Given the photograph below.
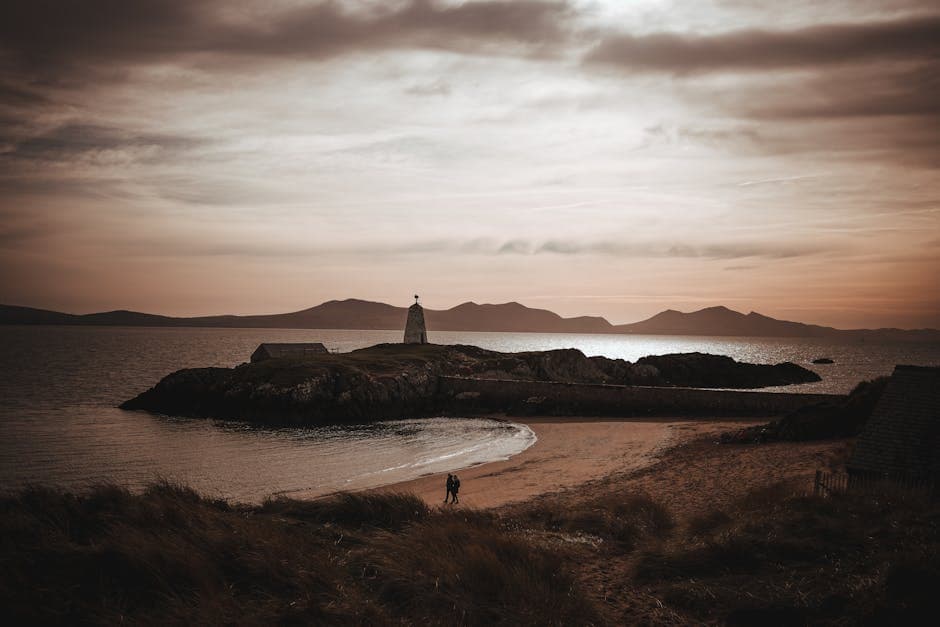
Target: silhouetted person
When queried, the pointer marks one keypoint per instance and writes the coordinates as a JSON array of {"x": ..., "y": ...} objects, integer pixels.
[
  {"x": 455, "y": 488},
  {"x": 450, "y": 488}
]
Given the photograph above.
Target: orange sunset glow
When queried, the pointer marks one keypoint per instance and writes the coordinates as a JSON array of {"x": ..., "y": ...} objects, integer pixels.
[{"x": 588, "y": 157}]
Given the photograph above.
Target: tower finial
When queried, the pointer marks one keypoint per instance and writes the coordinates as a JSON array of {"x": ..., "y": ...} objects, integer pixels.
[{"x": 416, "y": 299}]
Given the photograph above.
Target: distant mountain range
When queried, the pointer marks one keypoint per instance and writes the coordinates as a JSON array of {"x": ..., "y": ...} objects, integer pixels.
[{"x": 506, "y": 317}]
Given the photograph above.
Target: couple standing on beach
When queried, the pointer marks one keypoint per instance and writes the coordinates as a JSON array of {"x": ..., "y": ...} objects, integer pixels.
[{"x": 453, "y": 485}]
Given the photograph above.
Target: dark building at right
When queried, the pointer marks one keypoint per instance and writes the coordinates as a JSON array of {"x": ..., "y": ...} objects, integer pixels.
[{"x": 901, "y": 440}]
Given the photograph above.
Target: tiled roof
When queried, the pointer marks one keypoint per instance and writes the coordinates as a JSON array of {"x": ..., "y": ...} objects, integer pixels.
[{"x": 902, "y": 437}]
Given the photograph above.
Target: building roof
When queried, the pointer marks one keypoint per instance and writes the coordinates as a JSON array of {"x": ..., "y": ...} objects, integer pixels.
[
  {"x": 902, "y": 437},
  {"x": 276, "y": 350}
]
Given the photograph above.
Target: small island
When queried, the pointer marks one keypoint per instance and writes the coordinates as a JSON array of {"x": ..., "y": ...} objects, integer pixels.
[{"x": 408, "y": 380}]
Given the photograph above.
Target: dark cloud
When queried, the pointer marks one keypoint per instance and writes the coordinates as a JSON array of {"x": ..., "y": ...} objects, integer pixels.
[
  {"x": 771, "y": 8},
  {"x": 909, "y": 38},
  {"x": 881, "y": 112},
  {"x": 47, "y": 38},
  {"x": 27, "y": 182},
  {"x": 71, "y": 140},
  {"x": 16, "y": 235},
  {"x": 864, "y": 92},
  {"x": 20, "y": 96},
  {"x": 906, "y": 142},
  {"x": 31, "y": 164}
]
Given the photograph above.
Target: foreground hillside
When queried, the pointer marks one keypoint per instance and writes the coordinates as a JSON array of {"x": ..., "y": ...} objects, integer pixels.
[
  {"x": 727, "y": 537},
  {"x": 395, "y": 380}
]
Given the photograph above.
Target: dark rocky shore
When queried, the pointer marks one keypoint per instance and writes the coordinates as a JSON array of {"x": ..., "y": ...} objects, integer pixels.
[{"x": 395, "y": 380}]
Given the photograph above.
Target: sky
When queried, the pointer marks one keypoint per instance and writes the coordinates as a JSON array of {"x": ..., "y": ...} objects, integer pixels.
[{"x": 593, "y": 158}]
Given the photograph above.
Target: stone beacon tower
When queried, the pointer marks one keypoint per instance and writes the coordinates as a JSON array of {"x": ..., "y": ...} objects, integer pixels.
[{"x": 415, "y": 331}]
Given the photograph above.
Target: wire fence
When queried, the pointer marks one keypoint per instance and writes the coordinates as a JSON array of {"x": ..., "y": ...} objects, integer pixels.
[{"x": 831, "y": 483}]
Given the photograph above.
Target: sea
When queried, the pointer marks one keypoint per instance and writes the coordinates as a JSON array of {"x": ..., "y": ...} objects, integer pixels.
[{"x": 60, "y": 387}]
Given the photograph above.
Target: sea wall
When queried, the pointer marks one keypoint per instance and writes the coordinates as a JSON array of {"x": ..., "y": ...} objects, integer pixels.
[{"x": 469, "y": 395}]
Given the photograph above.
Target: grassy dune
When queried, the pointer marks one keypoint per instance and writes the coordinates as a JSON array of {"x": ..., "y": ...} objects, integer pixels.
[{"x": 171, "y": 555}]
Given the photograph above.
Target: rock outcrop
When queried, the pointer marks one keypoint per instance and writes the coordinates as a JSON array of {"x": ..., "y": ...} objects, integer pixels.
[
  {"x": 401, "y": 380},
  {"x": 701, "y": 370},
  {"x": 821, "y": 421}
]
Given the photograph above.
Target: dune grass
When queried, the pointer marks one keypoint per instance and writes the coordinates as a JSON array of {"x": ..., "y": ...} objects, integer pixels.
[
  {"x": 349, "y": 509},
  {"x": 460, "y": 568},
  {"x": 621, "y": 519},
  {"x": 169, "y": 555},
  {"x": 166, "y": 555},
  {"x": 779, "y": 557}
]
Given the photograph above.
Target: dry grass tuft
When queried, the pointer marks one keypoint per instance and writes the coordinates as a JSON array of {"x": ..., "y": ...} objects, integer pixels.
[
  {"x": 465, "y": 568},
  {"x": 169, "y": 555},
  {"x": 781, "y": 558},
  {"x": 623, "y": 519},
  {"x": 355, "y": 510}
]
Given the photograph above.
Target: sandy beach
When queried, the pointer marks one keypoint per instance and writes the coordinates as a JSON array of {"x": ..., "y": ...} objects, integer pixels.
[
  {"x": 569, "y": 452},
  {"x": 671, "y": 456}
]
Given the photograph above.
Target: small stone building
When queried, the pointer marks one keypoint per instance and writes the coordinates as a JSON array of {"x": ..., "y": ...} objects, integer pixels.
[
  {"x": 415, "y": 330},
  {"x": 902, "y": 438},
  {"x": 275, "y": 351}
]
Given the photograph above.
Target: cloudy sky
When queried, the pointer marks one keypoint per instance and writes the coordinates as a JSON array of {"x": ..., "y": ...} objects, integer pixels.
[{"x": 612, "y": 158}]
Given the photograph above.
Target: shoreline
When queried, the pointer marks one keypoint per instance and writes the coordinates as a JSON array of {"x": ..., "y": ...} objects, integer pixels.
[
  {"x": 569, "y": 452},
  {"x": 632, "y": 521}
]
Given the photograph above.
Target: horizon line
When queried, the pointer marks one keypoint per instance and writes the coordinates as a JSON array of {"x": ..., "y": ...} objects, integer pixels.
[{"x": 469, "y": 302}]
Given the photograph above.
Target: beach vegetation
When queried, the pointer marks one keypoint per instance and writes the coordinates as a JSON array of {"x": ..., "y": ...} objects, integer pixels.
[
  {"x": 388, "y": 510},
  {"x": 170, "y": 555},
  {"x": 622, "y": 519},
  {"x": 797, "y": 559}
]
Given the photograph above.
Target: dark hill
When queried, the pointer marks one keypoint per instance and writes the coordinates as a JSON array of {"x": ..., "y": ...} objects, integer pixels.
[
  {"x": 505, "y": 317},
  {"x": 511, "y": 317},
  {"x": 11, "y": 314},
  {"x": 722, "y": 321}
]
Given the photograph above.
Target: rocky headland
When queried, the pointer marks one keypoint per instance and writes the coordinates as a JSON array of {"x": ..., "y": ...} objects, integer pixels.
[{"x": 397, "y": 380}]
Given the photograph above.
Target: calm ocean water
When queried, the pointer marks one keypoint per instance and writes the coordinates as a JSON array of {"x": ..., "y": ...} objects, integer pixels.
[{"x": 59, "y": 388}]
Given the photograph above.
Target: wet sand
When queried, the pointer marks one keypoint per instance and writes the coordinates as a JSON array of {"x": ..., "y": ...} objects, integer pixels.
[{"x": 569, "y": 452}]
